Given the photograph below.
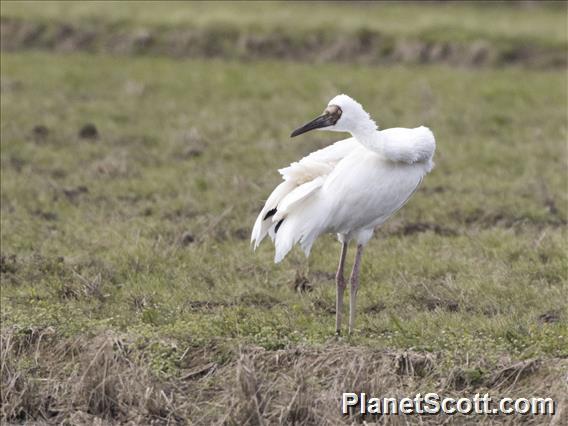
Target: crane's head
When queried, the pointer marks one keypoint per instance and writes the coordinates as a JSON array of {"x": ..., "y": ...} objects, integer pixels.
[{"x": 342, "y": 114}]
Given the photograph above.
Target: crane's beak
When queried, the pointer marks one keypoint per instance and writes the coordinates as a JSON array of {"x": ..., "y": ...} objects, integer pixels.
[{"x": 324, "y": 120}]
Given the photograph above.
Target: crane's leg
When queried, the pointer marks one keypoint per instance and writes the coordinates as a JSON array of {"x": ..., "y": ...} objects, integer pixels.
[
  {"x": 340, "y": 281},
  {"x": 354, "y": 287}
]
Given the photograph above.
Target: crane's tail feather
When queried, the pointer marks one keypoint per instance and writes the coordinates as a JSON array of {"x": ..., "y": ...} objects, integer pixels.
[
  {"x": 286, "y": 217},
  {"x": 265, "y": 219},
  {"x": 293, "y": 230},
  {"x": 296, "y": 196},
  {"x": 303, "y": 223}
]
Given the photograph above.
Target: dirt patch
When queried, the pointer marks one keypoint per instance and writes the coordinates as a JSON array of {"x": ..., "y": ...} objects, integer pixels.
[
  {"x": 434, "y": 303},
  {"x": 251, "y": 299},
  {"x": 324, "y": 306},
  {"x": 73, "y": 194},
  {"x": 434, "y": 190},
  {"x": 363, "y": 46},
  {"x": 486, "y": 219},
  {"x": 419, "y": 227},
  {"x": 434, "y": 297},
  {"x": 241, "y": 234},
  {"x": 186, "y": 239},
  {"x": 40, "y": 133},
  {"x": 17, "y": 163},
  {"x": 112, "y": 167},
  {"x": 375, "y": 308},
  {"x": 8, "y": 85},
  {"x": 8, "y": 264},
  {"x": 259, "y": 300},
  {"x": 89, "y": 131},
  {"x": 204, "y": 305},
  {"x": 58, "y": 174},
  {"x": 550, "y": 317},
  {"x": 301, "y": 283},
  {"x": 45, "y": 215},
  {"x": 319, "y": 275},
  {"x": 189, "y": 153},
  {"x": 431, "y": 302}
]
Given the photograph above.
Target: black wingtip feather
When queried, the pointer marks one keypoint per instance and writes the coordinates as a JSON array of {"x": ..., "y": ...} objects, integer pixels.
[
  {"x": 270, "y": 213},
  {"x": 278, "y": 225}
]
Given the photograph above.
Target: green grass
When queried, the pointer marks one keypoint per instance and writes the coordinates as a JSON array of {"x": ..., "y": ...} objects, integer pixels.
[
  {"x": 500, "y": 165},
  {"x": 131, "y": 251}
]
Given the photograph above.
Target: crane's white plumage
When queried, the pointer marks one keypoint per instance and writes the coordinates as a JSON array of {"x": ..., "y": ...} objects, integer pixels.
[{"x": 348, "y": 188}]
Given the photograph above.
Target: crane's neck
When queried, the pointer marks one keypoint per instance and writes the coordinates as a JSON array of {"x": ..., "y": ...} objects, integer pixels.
[{"x": 367, "y": 135}]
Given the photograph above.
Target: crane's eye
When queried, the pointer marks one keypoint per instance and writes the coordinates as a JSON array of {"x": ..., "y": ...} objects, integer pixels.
[{"x": 334, "y": 111}]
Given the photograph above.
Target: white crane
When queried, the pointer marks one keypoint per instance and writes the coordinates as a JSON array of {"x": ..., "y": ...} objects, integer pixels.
[{"x": 348, "y": 188}]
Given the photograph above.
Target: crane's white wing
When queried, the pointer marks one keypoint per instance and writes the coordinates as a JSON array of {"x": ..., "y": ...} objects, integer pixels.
[
  {"x": 301, "y": 179},
  {"x": 318, "y": 163}
]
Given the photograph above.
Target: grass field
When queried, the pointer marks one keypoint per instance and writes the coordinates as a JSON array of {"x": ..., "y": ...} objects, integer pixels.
[
  {"x": 389, "y": 17},
  {"x": 129, "y": 290}
]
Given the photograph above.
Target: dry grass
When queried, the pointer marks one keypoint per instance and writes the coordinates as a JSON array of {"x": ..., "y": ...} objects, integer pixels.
[
  {"x": 79, "y": 380},
  {"x": 364, "y": 46},
  {"x": 106, "y": 379}
]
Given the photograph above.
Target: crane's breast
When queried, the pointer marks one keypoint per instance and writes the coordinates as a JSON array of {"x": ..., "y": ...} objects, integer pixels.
[{"x": 364, "y": 190}]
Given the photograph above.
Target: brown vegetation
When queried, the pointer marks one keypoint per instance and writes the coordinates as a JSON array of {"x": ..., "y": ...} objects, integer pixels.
[
  {"x": 106, "y": 379},
  {"x": 363, "y": 46}
]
